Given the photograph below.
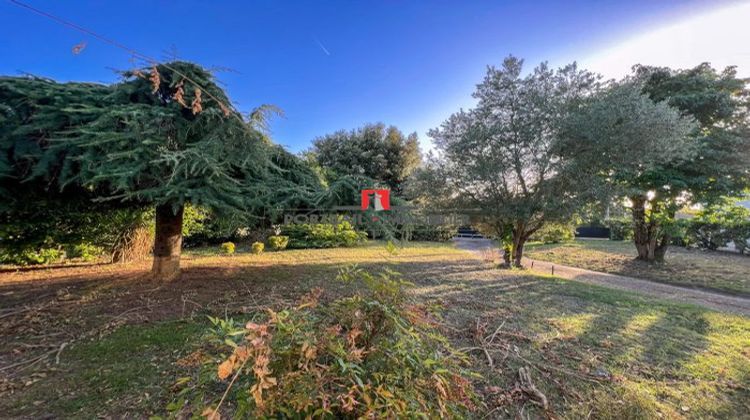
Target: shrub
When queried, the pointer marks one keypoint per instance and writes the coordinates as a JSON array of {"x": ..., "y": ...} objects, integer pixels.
[
  {"x": 323, "y": 235},
  {"x": 433, "y": 233},
  {"x": 739, "y": 235},
  {"x": 679, "y": 230},
  {"x": 706, "y": 235},
  {"x": 257, "y": 247},
  {"x": 372, "y": 355},
  {"x": 717, "y": 226},
  {"x": 228, "y": 248},
  {"x": 278, "y": 242},
  {"x": 85, "y": 251},
  {"x": 554, "y": 233},
  {"x": 27, "y": 256},
  {"x": 620, "y": 229}
]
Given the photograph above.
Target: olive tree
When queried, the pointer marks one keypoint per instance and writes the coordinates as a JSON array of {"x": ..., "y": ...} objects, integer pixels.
[
  {"x": 624, "y": 145},
  {"x": 501, "y": 156}
]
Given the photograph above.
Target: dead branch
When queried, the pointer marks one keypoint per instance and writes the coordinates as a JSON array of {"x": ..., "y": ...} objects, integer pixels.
[
  {"x": 530, "y": 389},
  {"x": 57, "y": 356}
]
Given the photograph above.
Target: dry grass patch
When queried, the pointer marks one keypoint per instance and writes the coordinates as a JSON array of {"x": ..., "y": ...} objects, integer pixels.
[{"x": 713, "y": 270}]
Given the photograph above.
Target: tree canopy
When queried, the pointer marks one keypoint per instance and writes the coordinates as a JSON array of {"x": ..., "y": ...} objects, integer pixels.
[
  {"x": 719, "y": 102},
  {"x": 501, "y": 155},
  {"x": 645, "y": 154},
  {"x": 623, "y": 145},
  {"x": 163, "y": 137},
  {"x": 383, "y": 154}
]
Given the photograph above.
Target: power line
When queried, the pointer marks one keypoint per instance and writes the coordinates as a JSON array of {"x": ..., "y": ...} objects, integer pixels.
[{"x": 133, "y": 52}]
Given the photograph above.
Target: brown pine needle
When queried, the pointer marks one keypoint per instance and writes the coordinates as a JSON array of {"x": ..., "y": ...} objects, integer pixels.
[
  {"x": 155, "y": 79},
  {"x": 78, "y": 48},
  {"x": 179, "y": 94},
  {"x": 197, "y": 108}
]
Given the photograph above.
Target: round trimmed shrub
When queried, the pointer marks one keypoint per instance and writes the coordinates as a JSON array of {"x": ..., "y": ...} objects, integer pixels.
[
  {"x": 228, "y": 248},
  {"x": 278, "y": 242},
  {"x": 257, "y": 248}
]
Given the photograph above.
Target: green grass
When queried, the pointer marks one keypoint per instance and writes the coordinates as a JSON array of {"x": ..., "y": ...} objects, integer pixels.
[
  {"x": 609, "y": 354},
  {"x": 594, "y": 352},
  {"x": 713, "y": 270},
  {"x": 126, "y": 373}
]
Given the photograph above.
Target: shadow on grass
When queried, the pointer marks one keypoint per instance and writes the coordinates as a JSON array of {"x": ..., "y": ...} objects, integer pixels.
[
  {"x": 646, "y": 357},
  {"x": 595, "y": 352}
]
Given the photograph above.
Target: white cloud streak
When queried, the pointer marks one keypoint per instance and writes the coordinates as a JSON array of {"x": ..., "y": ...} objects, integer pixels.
[{"x": 325, "y": 50}]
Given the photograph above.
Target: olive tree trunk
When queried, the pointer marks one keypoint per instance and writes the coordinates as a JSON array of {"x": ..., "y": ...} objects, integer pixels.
[
  {"x": 649, "y": 237},
  {"x": 522, "y": 231},
  {"x": 507, "y": 251},
  {"x": 167, "y": 243}
]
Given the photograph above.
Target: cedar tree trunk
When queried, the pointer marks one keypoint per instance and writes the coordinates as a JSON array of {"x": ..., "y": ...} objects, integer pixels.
[{"x": 167, "y": 243}]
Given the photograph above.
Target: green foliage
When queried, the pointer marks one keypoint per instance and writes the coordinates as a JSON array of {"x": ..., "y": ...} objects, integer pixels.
[
  {"x": 434, "y": 233},
  {"x": 32, "y": 111},
  {"x": 600, "y": 139},
  {"x": 679, "y": 230},
  {"x": 194, "y": 220},
  {"x": 49, "y": 222},
  {"x": 718, "y": 100},
  {"x": 28, "y": 256},
  {"x": 85, "y": 251},
  {"x": 306, "y": 235},
  {"x": 718, "y": 225},
  {"x": 153, "y": 139},
  {"x": 373, "y": 355},
  {"x": 502, "y": 155},
  {"x": 706, "y": 235},
  {"x": 228, "y": 248},
  {"x": 620, "y": 229},
  {"x": 374, "y": 151},
  {"x": 257, "y": 248},
  {"x": 145, "y": 146},
  {"x": 554, "y": 233},
  {"x": 618, "y": 143},
  {"x": 278, "y": 242}
]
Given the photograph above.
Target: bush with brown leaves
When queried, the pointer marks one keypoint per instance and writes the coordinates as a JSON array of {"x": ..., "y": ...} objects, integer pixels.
[{"x": 374, "y": 355}]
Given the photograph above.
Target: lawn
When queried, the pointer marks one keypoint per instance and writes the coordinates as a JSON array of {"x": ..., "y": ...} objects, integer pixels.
[
  {"x": 714, "y": 270},
  {"x": 591, "y": 351}
]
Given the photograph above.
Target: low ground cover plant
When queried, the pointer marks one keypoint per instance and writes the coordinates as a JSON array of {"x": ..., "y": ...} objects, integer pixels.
[{"x": 85, "y": 252}]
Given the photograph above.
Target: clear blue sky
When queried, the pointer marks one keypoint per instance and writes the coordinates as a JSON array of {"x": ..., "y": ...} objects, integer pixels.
[{"x": 328, "y": 64}]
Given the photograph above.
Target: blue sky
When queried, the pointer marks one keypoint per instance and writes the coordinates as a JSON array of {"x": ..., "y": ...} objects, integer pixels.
[{"x": 337, "y": 64}]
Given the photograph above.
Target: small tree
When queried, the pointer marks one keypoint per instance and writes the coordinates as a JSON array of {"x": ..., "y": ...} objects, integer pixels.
[
  {"x": 621, "y": 143},
  {"x": 501, "y": 157},
  {"x": 383, "y": 154}
]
